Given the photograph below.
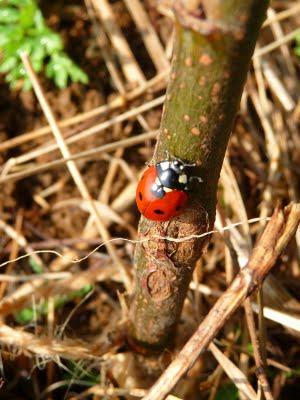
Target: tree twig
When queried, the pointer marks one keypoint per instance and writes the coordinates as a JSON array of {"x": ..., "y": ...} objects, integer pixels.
[
  {"x": 274, "y": 239},
  {"x": 213, "y": 48}
]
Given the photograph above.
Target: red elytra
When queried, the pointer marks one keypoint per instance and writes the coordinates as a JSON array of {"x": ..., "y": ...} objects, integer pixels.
[{"x": 154, "y": 208}]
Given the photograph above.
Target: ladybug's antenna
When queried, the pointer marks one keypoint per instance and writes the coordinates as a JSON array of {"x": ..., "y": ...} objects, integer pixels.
[
  {"x": 167, "y": 155},
  {"x": 184, "y": 163}
]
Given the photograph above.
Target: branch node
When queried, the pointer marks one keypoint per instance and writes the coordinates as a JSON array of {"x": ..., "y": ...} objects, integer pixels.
[{"x": 197, "y": 21}]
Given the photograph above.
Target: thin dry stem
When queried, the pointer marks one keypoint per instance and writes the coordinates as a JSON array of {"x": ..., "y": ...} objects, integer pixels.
[
  {"x": 105, "y": 49},
  {"x": 48, "y": 348},
  {"x": 20, "y": 240},
  {"x": 74, "y": 171},
  {"x": 277, "y": 87},
  {"x": 15, "y": 245},
  {"x": 233, "y": 372},
  {"x": 45, "y": 149},
  {"x": 130, "y": 67},
  {"x": 277, "y": 43},
  {"x": 158, "y": 82},
  {"x": 279, "y": 36},
  {"x": 87, "y": 154},
  {"x": 260, "y": 365},
  {"x": 148, "y": 34},
  {"x": 289, "y": 12},
  {"x": 276, "y": 236}
]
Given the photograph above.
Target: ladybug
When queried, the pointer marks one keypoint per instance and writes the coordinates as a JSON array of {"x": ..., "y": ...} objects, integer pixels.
[{"x": 162, "y": 192}]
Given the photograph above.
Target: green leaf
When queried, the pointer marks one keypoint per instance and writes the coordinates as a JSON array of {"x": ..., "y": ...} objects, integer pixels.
[
  {"x": 17, "y": 3},
  {"x": 16, "y": 74},
  {"x": 295, "y": 372},
  {"x": 38, "y": 52},
  {"x": 7, "y": 64},
  {"x": 77, "y": 371},
  {"x": 23, "y": 29},
  {"x": 61, "y": 76},
  {"x": 36, "y": 267},
  {"x": 250, "y": 348},
  {"x": 10, "y": 34},
  {"x": 297, "y": 47},
  {"x": 26, "y": 85},
  {"x": 28, "y": 46},
  {"x": 4, "y": 36},
  {"x": 27, "y": 15},
  {"x": 77, "y": 75},
  {"x": 37, "y": 65},
  {"x": 11, "y": 48},
  {"x": 51, "y": 41},
  {"x": 27, "y": 314},
  {"x": 50, "y": 69},
  {"x": 24, "y": 316},
  {"x": 9, "y": 15},
  {"x": 228, "y": 392},
  {"x": 82, "y": 292},
  {"x": 39, "y": 21}
]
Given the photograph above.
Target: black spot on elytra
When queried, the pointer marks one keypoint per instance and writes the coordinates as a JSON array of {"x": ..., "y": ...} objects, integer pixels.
[
  {"x": 160, "y": 212},
  {"x": 178, "y": 208},
  {"x": 140, "y": 196}
]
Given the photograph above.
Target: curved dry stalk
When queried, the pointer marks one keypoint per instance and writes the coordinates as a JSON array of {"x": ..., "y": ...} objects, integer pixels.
[
  {"x": 86, "y": 154},
  {"x": 273, "y": 241},
  {"x": 74, "y": 171},
  {"x": 49, "y": 348}
]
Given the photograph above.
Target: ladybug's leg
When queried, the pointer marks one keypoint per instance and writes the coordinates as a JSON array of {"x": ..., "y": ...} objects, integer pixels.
[
  {"x": 195, "y": 178},
  {"x": 190, "y": 165},
  {"x": 191, "y": 180}
]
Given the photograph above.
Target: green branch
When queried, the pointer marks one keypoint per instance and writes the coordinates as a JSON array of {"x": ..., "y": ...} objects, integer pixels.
[{"x": 213, "y": 49}]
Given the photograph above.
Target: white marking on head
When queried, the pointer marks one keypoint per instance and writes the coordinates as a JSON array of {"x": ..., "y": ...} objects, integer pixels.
[
  {"x": 182, "y": 178},
  {"x": 165, "y": 165},
  {"x": 166, "y": 189}
]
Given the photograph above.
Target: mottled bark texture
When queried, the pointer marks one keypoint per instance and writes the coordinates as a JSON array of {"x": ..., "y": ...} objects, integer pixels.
[{"x": 214, "y": 44}]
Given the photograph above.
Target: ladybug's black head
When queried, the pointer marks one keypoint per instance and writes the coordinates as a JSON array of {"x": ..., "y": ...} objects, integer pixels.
[
  {"x": 178, "y": 166},
  {"x": 172, "y": 175}
]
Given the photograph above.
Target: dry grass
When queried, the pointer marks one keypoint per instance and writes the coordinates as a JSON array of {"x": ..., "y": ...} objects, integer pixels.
[{"x": 78, "y": 311}]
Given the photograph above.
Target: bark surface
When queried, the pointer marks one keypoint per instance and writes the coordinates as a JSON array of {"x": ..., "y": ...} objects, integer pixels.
[{"x": 214, "y": 44}]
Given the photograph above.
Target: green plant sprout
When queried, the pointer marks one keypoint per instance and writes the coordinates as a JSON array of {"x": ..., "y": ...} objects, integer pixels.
[
  {"x": 228, "y": 392},
  {"x": 28, "y": 314},
  {"x": 23, "y": 29},
  {"x": 297, "y": 47}
]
